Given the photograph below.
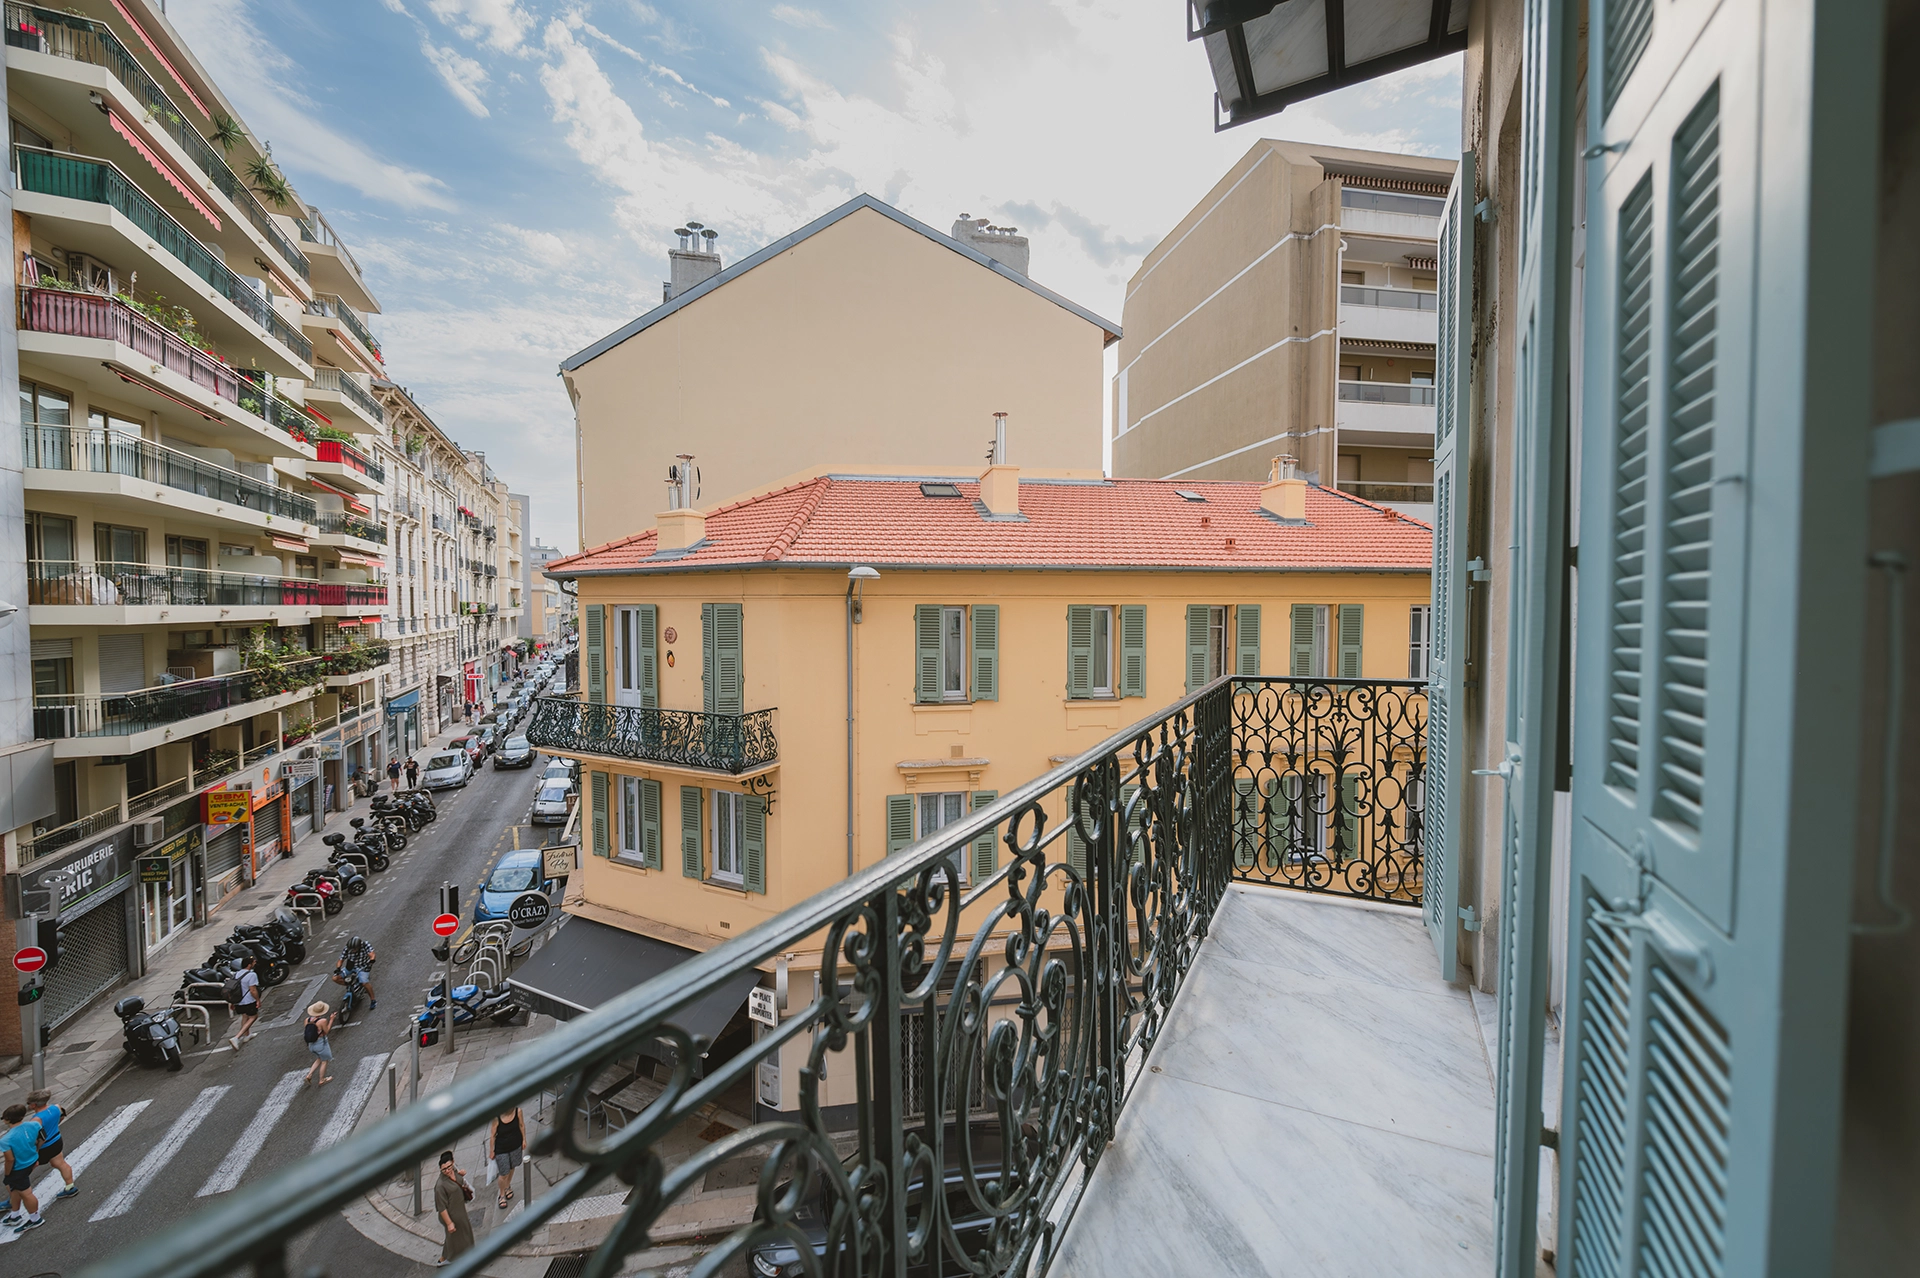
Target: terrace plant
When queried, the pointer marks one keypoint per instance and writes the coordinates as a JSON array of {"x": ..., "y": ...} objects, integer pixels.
[
  {"x": 269, "y": 181},
  {"x": 227, "y": 132}
]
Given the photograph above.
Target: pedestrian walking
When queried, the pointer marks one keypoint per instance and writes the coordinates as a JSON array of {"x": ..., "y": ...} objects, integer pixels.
[
  {"x": 393, "y": 774},
  {"x": 509, "y": 1143},
  {"x": 413, "y": 774},
  {"x": 450, "y": 1195},
  {"x": 318, "y": 1028},
  {"x": 19, "y": 1152},
  {"x": 245, "y": 1001},
  {"x": 53, "y": 1146}
]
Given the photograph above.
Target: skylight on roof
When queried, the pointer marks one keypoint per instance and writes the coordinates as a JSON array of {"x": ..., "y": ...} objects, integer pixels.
[
  {"x": 939, "y": 490},
  {"x": 1189, "y": 494}
]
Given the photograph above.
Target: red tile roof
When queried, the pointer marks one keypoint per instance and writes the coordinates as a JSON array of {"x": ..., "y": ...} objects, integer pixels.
[{"x": 836, "y": 521}]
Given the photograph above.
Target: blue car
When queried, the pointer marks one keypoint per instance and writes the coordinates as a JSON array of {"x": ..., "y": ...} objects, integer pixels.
[{"x": 517, "y": 873}]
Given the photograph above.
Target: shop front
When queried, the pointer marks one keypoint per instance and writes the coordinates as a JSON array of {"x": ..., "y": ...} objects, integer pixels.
[
  {"x": 92, "y": 889},
  {"x": 272, "y": 819},
  {"x": 302, "y": 778},
  {"x": 229, "y": 866},
  {"x": 403, "y": 724},
  {"x": 165, "y": 875}
]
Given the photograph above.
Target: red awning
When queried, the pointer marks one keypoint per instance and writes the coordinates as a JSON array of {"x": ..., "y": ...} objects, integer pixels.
[
  {"x": 162, "y": 58},
  {"x": 360, "y": 560},
  {"x": 160, "y": 166},
  {"x": 288, "y": 543},
  {"x": 343, "y": 494}
]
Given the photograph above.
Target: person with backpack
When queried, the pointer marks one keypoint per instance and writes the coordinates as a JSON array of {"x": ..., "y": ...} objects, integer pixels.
[
  {"x": 53, "y": 1146},
  {"x": 318, "y": 1029},
  {"x": 243, "y": 997}
]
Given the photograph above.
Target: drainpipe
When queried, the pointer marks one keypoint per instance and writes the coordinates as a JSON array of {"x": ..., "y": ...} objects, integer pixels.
[{"x": 855, "y": 577}]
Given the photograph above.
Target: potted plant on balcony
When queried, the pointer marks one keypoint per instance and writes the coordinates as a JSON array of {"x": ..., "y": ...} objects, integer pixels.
[
  {"x": 269, "y": 181},
  {"x": 227, "y": 132}
]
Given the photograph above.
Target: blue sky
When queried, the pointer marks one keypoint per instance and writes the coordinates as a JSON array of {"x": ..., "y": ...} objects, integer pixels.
[{"x": 509, "y": 172}]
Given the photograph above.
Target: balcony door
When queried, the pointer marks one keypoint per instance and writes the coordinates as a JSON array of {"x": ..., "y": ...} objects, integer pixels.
[{"x": 636, "y": 657}]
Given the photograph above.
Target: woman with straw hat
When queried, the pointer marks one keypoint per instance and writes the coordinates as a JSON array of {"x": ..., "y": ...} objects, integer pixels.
[{"x": 319, "y": 1025}]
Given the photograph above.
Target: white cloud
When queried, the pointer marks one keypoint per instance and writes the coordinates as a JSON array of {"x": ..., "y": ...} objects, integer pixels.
[
  {"x": 463, "y": 76},
  {"x": 797, "y": 17},
  {"x": 664, "y": 72},
  {"x": 501, "y": 24}
]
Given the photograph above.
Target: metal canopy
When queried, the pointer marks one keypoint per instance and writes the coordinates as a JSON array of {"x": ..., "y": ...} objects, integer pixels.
[{"x": 1267, "y": 56}]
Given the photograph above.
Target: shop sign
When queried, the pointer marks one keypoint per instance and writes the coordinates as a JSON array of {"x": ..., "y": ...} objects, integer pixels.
[
  {"x": 183, "y": 844},
  {"x": 154, "y": 869},
  {"x": 300, "y": 771},
  {"x": 329, "y": 750},
  {"x": 86, "y": 873},
  {"x": 224, "y": 807},
  {"x": 557, "y": 861},
  {"x": 267, "y": 794}
]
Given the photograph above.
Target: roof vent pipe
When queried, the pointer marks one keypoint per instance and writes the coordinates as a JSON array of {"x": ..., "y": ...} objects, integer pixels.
[
  {"x": 999, "y": 439},
  {"x": 1000, "y": 485}
]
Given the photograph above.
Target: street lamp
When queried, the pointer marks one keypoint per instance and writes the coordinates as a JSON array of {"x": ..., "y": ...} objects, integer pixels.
[{"x": 857, "y": 577}]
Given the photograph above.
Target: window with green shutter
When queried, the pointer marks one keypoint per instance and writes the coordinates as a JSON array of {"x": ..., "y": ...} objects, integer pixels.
[
  {"x": 1246, "y": 640},
  {"x": 595, "y": 627},
  {"x": 1307, "y": 641},
  {"x": 692, "y": 862},
  {"x": 1352, "y": 629},
  {"x": 721, "y": 676},
  {"x": 899, "y": 822},
  {"x": 602, "y": 844},
  {"x": 986, "y": 848},
  {"x": 1079, "y": 651},
  {"x": 1133, "y": 650},
  {"x": 1198, "y": 675},
  {"x": 650, "y": 822},
  {"x": 753, "y": 842},
  {"x": 986, "y": 652}
]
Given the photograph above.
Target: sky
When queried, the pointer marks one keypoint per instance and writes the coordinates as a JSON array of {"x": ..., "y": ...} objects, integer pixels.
[{"x": 509, "y": 173}]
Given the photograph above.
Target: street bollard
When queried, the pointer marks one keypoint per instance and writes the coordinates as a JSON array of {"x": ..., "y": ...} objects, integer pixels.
[
  {"x": 393, "y": 1087},
  {"x": 526, "y": 1173}
]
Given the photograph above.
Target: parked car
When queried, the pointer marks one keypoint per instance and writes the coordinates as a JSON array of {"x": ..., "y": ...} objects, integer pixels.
[
  {"x": 470, "y": 746},
  {"x": 556, "y": 770},
  {"x": 514, "y": 752},
  {"x": 518, "y": 872},
  {"x": 550, "y": 803},
  {"x": 489, "y": 737},
  {"x": 446, "y": 768}
]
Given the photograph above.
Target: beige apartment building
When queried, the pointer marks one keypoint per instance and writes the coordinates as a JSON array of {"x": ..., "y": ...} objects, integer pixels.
[
  {"x": 864, "y": 334},
  {"x": 1291, "y": 311}
]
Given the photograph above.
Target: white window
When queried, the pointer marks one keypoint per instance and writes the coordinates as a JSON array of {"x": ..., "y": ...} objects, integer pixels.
[
  {"x": 630, "y": 847},
  {"x": 729, "y": 863},
  {"x": 953, "y": 654},
  {"x": 938, "y": 811},
  {"x": 628, "y": 690},
  {"x": 1101, "y": 677},
  {"x": 1419, "y": 639},
  {"x": 1216, "y": 641}
]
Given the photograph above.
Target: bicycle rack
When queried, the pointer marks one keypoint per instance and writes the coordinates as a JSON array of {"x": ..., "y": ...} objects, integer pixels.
[
  {"x": 311, "y": 904},
  {"x": 195, "y": 997},
  {"x": 197, "y": 1017}
]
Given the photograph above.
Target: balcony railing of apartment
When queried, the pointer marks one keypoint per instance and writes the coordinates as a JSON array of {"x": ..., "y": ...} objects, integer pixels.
[
  {"x": 492, "y": 571},
  {"x": 316, "y": 229},
  {"x": 333, "y": 308},
  {"x": 58, "y": 716},
  {"x": 1406, "y": 299},
  {"x": 1386, "y": 393},
  {"x": 74, "y": 314},
  {"x": 274, "y": 408},
  {"x": 1386, "y": 492},
  {"x": 332, "y": 450},
  {"x": 135, "y": 585},
  {"x": 67, "y": 35},
  {"x": 442, "y": 524},
  {"x": 334, "y": 380},
  {"x": 730, "y": 743},
  {"x": 358, "y": 660},
  {"x": 351, "y": 525},
  {"x": 111, "y": 452},
  {"x": 46, "y": 842},
  {"x": 77, "y": 177},
  {"x": 160, "y": 794},
  {"x": 492, "y": 531}
]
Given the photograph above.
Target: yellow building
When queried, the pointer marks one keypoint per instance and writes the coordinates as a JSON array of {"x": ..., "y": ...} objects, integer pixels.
[
  {"x": 868, "y": 334},
  {"x": 949, "y": 636}
]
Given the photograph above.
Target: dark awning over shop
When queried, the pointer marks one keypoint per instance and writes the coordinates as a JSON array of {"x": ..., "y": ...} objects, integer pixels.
[
  {"x": 1267, "y": 56},
  {"x": 404, "y": 702},
  {"x": 587, "y": 964}
]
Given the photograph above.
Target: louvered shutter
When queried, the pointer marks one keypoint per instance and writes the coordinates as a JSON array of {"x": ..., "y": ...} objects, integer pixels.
[
  {"x": 1352, "y": 632},
  {"x": 1443, "y": 773},
  {"x": 123, "y": 662},
  {"x": 1246, "y": 640},
  {"x": 1302, "y": 664},
  {"x": 926, "y": 648},
  {"x": 602, "y": 841},
  {"x": 1079, "y": 651},
  {"x": 1197, "y": 635},
  {"x": 693, "y": 862},
  {"x": 595, "y": 627},
  {"x": 899, "y": 822},
  {"x": 753, "y": 842},
  {"x": 650, "y": 823},
  {"x": 986, "y": 848},
  {"x": 1133, "y": 650},
  {"x": 647, "y": 617},
  {"x": 986, "y": 652},
  {"x": 1346, "y": 818},
  {"x": 723, "y": 676}
]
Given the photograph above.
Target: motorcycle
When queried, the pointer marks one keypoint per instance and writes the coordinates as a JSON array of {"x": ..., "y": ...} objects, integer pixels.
[
  {"x": 283, "y": 928},
  {"x": 150, "y": 1038},
  {"x": 388, "y": 812},
  {"x": 346, "y": 867},
  {"x": 390, "y": 827},
  {"x": 270, "y": 961},
  {"x": 470, "y": 1003},
  {"x": 374, "y": 844},
  {"x": 333, "y": 893}
]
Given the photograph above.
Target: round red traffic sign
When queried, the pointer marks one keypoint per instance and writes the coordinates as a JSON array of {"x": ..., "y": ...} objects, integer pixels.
[
  {"x": 446, "y": 925},
  {"x": 29, "y": 958}
]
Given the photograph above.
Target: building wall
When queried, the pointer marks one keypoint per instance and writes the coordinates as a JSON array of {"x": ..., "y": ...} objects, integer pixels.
[{"x": 866, "y": 340}]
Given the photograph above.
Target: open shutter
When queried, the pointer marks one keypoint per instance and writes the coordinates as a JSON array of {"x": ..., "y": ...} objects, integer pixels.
[
  {"x": 1079, "y": 651},
  {"x": 926, "y": 647},
  {"x": 650, "y": 823},
  {"x": 1444, "y": 774},
  {"x": 986, "y": 652},
  {"x": 596, "y": 644},
  {"x": 725, "y": 686},
  {"x": 1301, "y": 665},
  {"x": 753, "y": 842},
  {"x": 647, "y": 618},
  {"x": 1133, "y": 650},
  {"x": 1246, "y": 640},
  {"x": 602, "y": 842},
  {"x": 692, "y": 860},
  {"x": 986, "y": 848},
  {"x": 1197, "y": 617},
  {"x": 899, "y": 822},
  {"x": 1352, "y": 632}
]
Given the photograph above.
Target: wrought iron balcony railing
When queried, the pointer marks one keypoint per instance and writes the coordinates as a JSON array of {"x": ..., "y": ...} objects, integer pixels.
[
  {"x": 138, "y": 585},
  {"x": 111, "y": 452},
  {"x": 333, "y": 379},
  {"x": 60, "y": 715},
  {"x": 333, "y": 450},
  {"x": 340, "y": 521},
  {"x": 731, "y": 743}
]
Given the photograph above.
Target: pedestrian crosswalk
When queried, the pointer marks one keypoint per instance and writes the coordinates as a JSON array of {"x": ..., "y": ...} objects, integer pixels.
[{"x": 161, "y": 1153}]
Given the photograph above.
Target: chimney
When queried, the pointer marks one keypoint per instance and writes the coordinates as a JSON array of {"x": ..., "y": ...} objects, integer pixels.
[
  {"x": 1284, "y": 495},
  {"x": 1000, "y": 484},
  {"x": 1001, "y": 243},
  {"x": 681, "y": 525},
  {"x": 694, "y": 262}
]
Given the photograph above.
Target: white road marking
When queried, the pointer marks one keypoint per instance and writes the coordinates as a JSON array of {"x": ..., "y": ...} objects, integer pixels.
[
  {"x": 163, "y": 1152},
  {"x": 90, "y": 1149},
  {"x": 254, "y": 1138},
  {"x": 299, "y": 1007},
  {"x": 352, "y": 1101}
]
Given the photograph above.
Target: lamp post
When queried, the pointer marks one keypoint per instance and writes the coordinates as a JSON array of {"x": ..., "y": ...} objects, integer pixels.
[{"x": 857, "y": 577}]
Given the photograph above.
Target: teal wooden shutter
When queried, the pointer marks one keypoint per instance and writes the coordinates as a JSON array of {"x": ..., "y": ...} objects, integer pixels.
[
  {"x": 1079, "y": 651},
  {"x": 647, "y": 617},
  {"x": 1246, "y": 640},
  {"x": 986, "y": 652},
  {"x": 753, "y": 842},
  {"x": 1076, "y": 850},
  {"x": 1443, "y": 774},
  {"x": 899, "y": 822},
  {"x": 723, "y": 676},
  {"x": 926, "y": 645},
  {"x": 986, "y": 848},
  {"x": 708, "y": 661},
  {"x": 650, "y": 823},
  {"x": 1301, "y": 665},
  {"x": 693, "y": 861},
  {"x": 1133, "y": 650},
  {"x": 1197, "y": 617},
  {"x": 596, "y": 645},
  {"x": 602, "y": 843},
  {"x": 1352, "y": 632}
]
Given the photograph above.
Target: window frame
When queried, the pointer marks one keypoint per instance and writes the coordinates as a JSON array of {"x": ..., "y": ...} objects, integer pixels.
[
  {"x": 963, "y": 658},
  {"x": 1101, "y": 654},
  {"x": 1219, "y": 642},
  {"x": 732, "y": 802},
  {"x": 628, "y": 837},
  {"x": 1419, "y": 640},
  {"x": 960, "y": 857}
]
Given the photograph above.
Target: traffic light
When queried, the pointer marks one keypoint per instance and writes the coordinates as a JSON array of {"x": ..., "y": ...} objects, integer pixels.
[{"x": 47, "y": 937}]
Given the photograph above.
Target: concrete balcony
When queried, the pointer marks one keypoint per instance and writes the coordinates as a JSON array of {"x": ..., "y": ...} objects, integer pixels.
[
  {"x": 345, "y": 466},
  {"x": 1386, "y": 414},
  {"x": 334, "y": 267},
  {"x": 346, "y": 403},
  {"x": 1396, "y": 225},
  {"x": 1388, "y": 315},
  {"x": 66, "y": 593},
  {"x": 341, "y": 336},
  {"x": 351, "y": 532},
  {"x": 88, "y": 725}
]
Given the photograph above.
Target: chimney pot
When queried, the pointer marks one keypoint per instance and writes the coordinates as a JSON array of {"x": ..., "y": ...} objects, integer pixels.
[
  {"x": 1000, "y": 485},
  {"x": 1284, "y": 495}
]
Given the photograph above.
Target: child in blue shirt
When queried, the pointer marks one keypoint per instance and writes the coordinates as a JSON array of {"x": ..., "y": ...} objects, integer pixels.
[
  {"x": 19, "y": 1152},
  {"x": 53, "y": 1145}
]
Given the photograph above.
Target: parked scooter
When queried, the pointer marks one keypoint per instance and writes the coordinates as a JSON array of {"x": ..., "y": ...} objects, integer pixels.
[
  {"x": 151, "y": 1038},
  {"x": 284, "y": 929},
  {"x": 373, "y": 843},
  {"x": 270, "y": 961},
  {"x": 334, "y": 893},
  {"x": 470, "y": 1003},
  {"x": 346, "y": 867}
]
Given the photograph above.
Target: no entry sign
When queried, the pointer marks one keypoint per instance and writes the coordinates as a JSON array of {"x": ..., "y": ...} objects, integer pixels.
[
  {"x": 446, "y": 925},
  {"x": 29, "y": 958}
]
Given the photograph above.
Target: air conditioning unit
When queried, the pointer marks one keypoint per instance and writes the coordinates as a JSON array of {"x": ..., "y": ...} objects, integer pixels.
[
  {"x": 148, "y": 833},
  {"x": 90, "y": 272}
]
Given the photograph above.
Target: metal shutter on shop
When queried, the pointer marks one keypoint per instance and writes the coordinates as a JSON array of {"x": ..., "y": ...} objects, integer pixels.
[
  {"x": 93, "y": 956},
  {"x": 123, "y": 662},
  {"x": 224, "y": 851},
  {"x": 266, "y": 831}
]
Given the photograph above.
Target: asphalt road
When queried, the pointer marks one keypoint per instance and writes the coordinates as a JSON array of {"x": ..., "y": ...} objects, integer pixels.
[{"x": 159, "y": 1145}]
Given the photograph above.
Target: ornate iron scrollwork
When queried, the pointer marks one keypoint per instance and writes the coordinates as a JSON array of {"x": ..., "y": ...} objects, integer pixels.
[{"x": 730, "y": 743}]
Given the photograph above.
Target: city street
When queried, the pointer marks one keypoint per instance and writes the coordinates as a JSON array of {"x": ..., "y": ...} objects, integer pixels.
[{"x": 154, "y": 1146}]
